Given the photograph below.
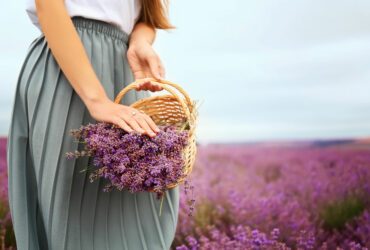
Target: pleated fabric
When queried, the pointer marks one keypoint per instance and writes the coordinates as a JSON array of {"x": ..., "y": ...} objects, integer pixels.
[{"x": 53, "y": 205}]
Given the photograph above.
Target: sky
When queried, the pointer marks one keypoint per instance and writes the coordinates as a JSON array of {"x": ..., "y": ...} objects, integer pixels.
[{"x": 262, "y": 70}]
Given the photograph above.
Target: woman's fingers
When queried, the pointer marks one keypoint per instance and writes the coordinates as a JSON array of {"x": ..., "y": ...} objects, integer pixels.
[
  {"x": 134, "y": 125},
  {"x": 154, "y": 65},
  {"x": 140, "y": 122},
  {"x": 137, "y": 122},
  {"x": 151, "y": 123},
  {"x": 122, "y": 124},
  {"x": 156, "y": 87},
  {"x": 143, "y": 123},
  {"x": 152, "y": 86},
  {"x": 162, "y": 71},
  {"x": 140, "y": 82}
]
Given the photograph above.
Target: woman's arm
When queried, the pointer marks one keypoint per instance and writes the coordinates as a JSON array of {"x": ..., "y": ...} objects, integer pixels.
[{"x": 68, "y": 50}]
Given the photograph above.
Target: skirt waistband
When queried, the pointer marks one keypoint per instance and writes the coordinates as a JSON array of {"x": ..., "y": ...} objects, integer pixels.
[{"x": 100, "y": 26}]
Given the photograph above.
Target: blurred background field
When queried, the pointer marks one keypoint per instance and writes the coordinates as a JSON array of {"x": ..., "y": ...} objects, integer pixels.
[{"x": 278, "y": 195}]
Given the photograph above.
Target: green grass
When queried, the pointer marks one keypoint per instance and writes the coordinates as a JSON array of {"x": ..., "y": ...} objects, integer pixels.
[{"x": 337, "y": 214}]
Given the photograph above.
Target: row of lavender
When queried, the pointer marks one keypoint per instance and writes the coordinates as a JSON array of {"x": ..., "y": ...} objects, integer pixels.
[
  {"x": 279, "y": 197},
  {"x": 252, "y": 197}
]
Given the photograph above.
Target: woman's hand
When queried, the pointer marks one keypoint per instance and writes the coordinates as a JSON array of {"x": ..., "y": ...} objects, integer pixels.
[
  {"x": 125, "y": 117},
  {"x": 145, "y": 63}
]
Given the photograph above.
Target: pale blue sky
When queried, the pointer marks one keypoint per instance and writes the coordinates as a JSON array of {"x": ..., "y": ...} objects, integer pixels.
[{"x": 262, "y": 69}]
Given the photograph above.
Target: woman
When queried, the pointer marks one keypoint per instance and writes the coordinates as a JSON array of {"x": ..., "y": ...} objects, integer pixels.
[{"x": 87, "y": 52}]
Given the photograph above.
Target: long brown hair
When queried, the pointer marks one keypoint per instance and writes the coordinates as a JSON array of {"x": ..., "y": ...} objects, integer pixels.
[{"x": 155, "y": 14}]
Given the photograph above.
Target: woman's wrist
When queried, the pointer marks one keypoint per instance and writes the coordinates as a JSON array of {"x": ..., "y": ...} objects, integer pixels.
[
  {"x": 137, "y": 44},
  {"x": 139, "y": 41},
  {"x": 142, "y": 33},
  {"x": 93, "y": 96}
]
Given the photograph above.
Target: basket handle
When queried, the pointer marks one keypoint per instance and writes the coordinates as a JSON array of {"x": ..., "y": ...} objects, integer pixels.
[{"x": 163, "y": 83}]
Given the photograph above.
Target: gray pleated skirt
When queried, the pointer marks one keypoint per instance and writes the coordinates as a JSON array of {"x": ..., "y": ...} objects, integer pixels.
[{"x": 53, "y": 205}]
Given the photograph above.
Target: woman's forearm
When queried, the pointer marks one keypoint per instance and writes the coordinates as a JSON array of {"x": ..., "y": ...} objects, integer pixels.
[{"x": 67, "y": 49}]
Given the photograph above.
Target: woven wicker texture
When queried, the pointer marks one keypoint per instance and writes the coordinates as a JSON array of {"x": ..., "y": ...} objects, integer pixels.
[{"x": 176, "y": 108}]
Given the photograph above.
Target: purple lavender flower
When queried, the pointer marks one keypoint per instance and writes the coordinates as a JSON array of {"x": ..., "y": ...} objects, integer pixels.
[{"x": 130, "y": 160}]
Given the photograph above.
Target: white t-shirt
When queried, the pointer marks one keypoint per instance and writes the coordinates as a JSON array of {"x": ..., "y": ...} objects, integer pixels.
[{"x": 123, "y": 13}]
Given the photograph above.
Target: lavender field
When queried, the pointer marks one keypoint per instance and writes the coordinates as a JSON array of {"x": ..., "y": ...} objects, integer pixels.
[
  {"x": 313, "y": 195},
  {"x": 276, "y": 196}
]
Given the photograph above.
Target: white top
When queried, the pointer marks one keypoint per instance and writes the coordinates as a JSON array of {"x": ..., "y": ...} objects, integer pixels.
[{"x": 123, "y": 13}]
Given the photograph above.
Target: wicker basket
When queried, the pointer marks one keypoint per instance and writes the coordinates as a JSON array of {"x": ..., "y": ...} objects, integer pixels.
[{"x": 169, "y": 109}]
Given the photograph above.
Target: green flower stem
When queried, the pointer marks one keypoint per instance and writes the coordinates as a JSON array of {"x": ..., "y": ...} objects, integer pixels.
[{"x": 160, "y": 207}]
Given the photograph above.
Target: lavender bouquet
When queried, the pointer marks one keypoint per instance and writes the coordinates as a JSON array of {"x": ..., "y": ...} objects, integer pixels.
[{"x": 133, "y": 161}]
